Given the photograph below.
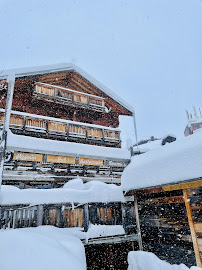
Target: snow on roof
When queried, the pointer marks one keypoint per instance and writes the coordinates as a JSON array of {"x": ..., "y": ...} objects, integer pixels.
[
  {"x": 21, "y": 72},
  {"x": 175, "y": 162},
  {"x": 150, "y": 145},
  {"x": 46, "y": 146},
  {"x": 93, "y": 191},
  {"x": 44, "y": 247}
]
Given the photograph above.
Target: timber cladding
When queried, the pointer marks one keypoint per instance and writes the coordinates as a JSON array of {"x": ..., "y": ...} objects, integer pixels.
[
  {"x": 165, "y": 227},
  {"x": 60, "y": 159},
  {"x": 21, "y": 156},
  {"x": 90, "y": 161},
  {"x": 25, "y": 101}
]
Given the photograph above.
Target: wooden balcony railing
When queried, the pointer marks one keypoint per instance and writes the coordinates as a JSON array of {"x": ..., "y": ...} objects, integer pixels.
[
  {"x": 63, "y": 216},
  {"x": 67, "y": 96},
  {"x": 48, "y": 127}
]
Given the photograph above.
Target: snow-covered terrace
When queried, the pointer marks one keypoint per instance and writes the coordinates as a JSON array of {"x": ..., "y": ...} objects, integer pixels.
[{"x": 176, "y": 162}]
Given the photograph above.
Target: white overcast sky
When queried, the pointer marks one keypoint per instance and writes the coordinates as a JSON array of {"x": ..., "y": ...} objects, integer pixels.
[{"x": 147, "y": 51}]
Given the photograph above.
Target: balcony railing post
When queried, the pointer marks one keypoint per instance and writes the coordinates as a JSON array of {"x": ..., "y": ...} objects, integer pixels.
[
  {"x": 123, "y": 213},
  {"x": 86, "y": 131},
  {"x": 103, "y": 135},
  {"x": 86, "y": 217},
  {"x": 47, "y": 127},
  {"x": 67, "y": 131}
]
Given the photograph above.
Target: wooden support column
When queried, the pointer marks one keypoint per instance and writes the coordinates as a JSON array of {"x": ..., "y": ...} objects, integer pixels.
[
  {"x": 109, "y": 258},
  {"x": 138, "y": 224},
  {"x": 123, "y": 212},
  {"x": 192, "y": 229}
]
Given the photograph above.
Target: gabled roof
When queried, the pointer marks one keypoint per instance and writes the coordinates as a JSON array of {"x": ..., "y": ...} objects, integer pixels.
[
  {"x": 28, "y": 71},
  {"x": 176, "y": 162}
]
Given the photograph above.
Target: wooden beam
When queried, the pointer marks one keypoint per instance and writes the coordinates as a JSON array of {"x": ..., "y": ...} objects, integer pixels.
[
  {"x": 186, "y": 185},
  {"x": 174, "y": 199},
  {"x": 200, "y": 244},
  {"x": 198, "y": 227},
  {"x": 138, "y": 224},
  {"x": 192, "y": 229}
]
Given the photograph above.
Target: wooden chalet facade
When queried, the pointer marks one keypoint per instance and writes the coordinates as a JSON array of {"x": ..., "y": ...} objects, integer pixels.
[
  {"x": 167, "y": 184},
  {"x": 171, "y": 222},
  {"x": 62, "y": 103}
]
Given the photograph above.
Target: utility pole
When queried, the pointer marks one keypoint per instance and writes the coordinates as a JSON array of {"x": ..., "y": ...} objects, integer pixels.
[{"x": 3, "y": 142}]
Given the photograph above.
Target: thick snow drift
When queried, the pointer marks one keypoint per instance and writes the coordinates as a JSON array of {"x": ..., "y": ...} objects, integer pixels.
[
  {"x": 175, "y": 162},
  {"x": 41, "y": 248},
  {"x": 140, "y": 260},
  {"x": 73, "y": 192}
]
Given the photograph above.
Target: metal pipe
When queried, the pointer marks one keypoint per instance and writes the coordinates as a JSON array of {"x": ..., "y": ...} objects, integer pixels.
[
  {"x": 3, "y": 143},
  {"x": 135, "y": 128}
]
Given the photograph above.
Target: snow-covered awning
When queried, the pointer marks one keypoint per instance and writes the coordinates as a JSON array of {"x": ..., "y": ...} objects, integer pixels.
[{"x": 176, "y": 162}]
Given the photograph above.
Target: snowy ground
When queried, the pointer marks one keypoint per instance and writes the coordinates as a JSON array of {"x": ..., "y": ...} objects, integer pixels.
[
  {"x": 140, "y": 260},
  {"x": 41, "y": 248}
]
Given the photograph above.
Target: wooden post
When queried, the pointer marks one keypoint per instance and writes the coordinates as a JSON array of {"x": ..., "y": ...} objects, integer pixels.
[
  {"x": 138, "y": 224},
  {"x": 86, "y": 217},
  {"x": 123, "y": 210},
  {"x": 39, "y": 215},
  {"x": 192, "y": 229}
]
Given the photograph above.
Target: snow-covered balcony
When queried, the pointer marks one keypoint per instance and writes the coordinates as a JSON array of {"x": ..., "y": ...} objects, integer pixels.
[
  {"x": 57, "y": 94},
  {"x": 60, "y": 129}
]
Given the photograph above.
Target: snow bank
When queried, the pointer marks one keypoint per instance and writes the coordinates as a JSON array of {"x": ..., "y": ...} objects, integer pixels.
[
  {"x": 93, "y": 191},
  {"x": 38, "y": 145},
  {"x": 140, "y": 260},
  {"x": 40, "y": 248},
  {"x": 175, "y": 162},
  {"x": 9, "y": 188}
]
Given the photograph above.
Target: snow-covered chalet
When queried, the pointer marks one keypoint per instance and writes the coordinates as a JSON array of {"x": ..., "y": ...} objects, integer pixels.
[{"x": 63, "y": 124}]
